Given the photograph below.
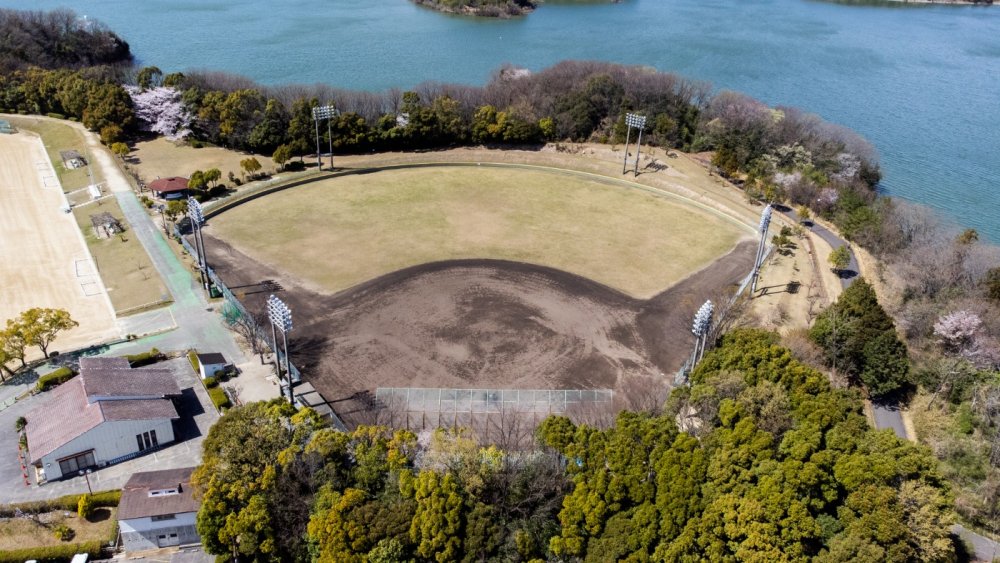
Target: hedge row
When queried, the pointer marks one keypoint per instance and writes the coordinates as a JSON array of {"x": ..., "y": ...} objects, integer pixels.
[
  {"x": 219, "y": 398},
  {"x": 195, "y": 364},
  {"x": 57, "y": 377},
  {"x": 145, "y": 358},
  {"x": 69, "y": 503},
  {"x": 52, "y": 553}
]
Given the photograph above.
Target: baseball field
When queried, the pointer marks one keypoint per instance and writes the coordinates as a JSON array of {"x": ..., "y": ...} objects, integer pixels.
[{"x": 480, "y": 277}]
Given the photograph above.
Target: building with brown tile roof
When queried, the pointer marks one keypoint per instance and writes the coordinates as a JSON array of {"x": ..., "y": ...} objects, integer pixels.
[
  {"x": 158, "y": 509},
  {"x": 108, "y": 413}
]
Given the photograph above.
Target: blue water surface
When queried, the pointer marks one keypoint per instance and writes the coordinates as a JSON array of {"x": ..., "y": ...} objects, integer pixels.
[{"x": 921, "y": 82}]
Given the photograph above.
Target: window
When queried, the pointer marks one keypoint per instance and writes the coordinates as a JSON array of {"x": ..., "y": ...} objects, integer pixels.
[
  {"x": 74, "y": 463},
  {"x": 147, "y": 440},
  {"x": 164, "y": 517},
  {"x": 162, "y": 492}
]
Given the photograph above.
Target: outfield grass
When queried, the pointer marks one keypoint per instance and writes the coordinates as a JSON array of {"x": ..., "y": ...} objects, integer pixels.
[
  {"x": 126, "y": 269},
  {"x": 334, "y": 234},
  {"x": 59, "y": 137}
]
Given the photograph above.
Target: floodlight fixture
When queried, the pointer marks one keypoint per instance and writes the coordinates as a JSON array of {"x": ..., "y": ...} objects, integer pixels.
[
  {"x": 320, "y": 113},
  {"x": 324, "y": 112},
  {"x": 195, "y": 211},
  {"x": 765, "y": 218},
  {"x": 635, "y": 120},
  {"x": 279, "y": 314},
  {"x": 703, "y": 319}
]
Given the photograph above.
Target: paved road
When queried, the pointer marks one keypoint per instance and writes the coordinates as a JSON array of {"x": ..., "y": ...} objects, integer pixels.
[{"x": 886, "y": 415}]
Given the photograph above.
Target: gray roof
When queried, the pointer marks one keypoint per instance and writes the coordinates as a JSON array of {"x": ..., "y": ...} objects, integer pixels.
[
  {"x": 70, "y": 154},
  {"x": 212, "y": 358},
  {"x": 143, "y": 382},
  {"x": 136, "y": 502},
  {"x": 77, "y": 406}
]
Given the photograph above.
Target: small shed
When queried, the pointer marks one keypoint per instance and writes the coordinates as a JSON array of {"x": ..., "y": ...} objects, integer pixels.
[
  {"x": 211, "y": 364},
  {"x": 72, "y": 159},
  {"x": 174, "y": 187},
  {"x": 105, "y": 225}
]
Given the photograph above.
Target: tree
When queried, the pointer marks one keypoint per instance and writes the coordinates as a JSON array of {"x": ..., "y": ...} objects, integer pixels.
[
  {"x": 149, "y": 77},
  {"x": 212, "y": 175},
  {"x": 12, "y": 344},
  {"x": 272, "y": 130},
  {"x": 840, "y": 258},
  {"x": 197, "y": 181},
  {"x": 281, "y": 155},
  {"x": 804, "y": 213},
  {"x": 991, "y": 281},
  {"x": 438, "y": 519},
  {"x": 120, "y": 150},
  {"x": 85, "y": 507},
  {"x": 176, "y": 209},
  {"x": 250, "y": 166},
  {"x": 40, "y": 326}
]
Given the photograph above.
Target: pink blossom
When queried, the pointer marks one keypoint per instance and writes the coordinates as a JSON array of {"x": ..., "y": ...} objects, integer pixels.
[{"x": 161, "y": 110}]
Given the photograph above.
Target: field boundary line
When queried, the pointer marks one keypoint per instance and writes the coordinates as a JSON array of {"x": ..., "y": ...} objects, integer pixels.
[{"x": 227, "y": 204}]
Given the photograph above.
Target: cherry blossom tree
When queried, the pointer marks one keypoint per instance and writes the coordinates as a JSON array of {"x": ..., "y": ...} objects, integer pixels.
[{"x": 161, "y": 110}]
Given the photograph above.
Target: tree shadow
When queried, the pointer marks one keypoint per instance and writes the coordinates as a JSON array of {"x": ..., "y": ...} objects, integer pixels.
[{"x": 101, "y": 514}]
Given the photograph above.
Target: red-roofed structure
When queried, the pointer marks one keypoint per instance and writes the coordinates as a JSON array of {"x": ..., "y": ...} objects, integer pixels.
[
  {"x": 108, "y": 412},
  {"x": 174, "y": 187}
]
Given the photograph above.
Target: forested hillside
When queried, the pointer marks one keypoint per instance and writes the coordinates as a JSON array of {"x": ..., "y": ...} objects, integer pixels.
[
  {"x": 57, "y": 39},
  {"x": 769, "y": 464}
]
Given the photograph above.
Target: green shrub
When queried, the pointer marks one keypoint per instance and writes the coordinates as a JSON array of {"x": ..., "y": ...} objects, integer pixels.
[
  {"x": 54, "y": 115},
  {"x": 57, "y": 377},
  {"x": 145, "y": 358},
  {"x": 62, "y": 532},
  {"x": 20, "y": 423},
  {"x": 209, "y": 382},
  {"x": 219, "y": 398},
  {"x": 68, "y": 503},
  {"x": 85, "y": 507},
  {"x": 52, "y": 553},
  {"x": 193, "y": 358}
]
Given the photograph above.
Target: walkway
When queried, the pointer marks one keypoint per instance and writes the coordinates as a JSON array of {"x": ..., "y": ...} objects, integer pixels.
[{"x": 198, "y": 325}]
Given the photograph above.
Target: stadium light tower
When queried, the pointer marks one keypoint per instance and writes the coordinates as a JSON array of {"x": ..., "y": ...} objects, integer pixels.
[
  {"x": 320, "y": 113},
  {"x": 765, "y": 223},
  {"x": 197, "y": 216},
  {"x": 639, "y": 122},
  {"x": 702, "y": 325},
  {"x": 281, "y": 319}
]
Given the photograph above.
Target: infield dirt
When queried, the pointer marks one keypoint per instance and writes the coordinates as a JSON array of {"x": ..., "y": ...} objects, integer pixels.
[{"x": 481, "y": 324}]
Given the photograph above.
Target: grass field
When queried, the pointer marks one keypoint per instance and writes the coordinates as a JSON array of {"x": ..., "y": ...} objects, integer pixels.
[
  {"x": 335, "y": 234},
  {"x": 59, "y": 137},
  {"x": 20, "y": 533},
  {"x": 126, "y": 269},
  {"x": 162, "y": 158}
]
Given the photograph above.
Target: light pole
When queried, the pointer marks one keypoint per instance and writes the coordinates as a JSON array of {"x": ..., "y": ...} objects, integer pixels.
[
  {"x": 639, "y": 122},
  {"x": 765, "y": 223},
  {"x": 700, "y": 328},
  {"x": 86, "y": 475},
  {"x": 327, "y": 113},
  {"x": 197, "y": 216},
  {"x": 281, "y": 319}
]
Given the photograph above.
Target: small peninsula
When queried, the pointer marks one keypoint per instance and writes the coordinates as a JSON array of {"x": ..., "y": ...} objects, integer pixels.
[
  {"x": 482, "y": 8},
  {"x": 485, "y": 8}
]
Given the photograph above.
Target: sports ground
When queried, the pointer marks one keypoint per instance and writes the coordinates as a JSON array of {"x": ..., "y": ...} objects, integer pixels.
[
  {"x": 480, "y": 277},
  {"x": 43, "y": 259}
]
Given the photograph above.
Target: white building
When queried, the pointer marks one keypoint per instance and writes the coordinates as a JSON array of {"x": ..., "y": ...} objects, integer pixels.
[
  {"x": 108, "y": 413},
  {"x": 157, "y": 510},
  {"x": 211, "y": 364}
]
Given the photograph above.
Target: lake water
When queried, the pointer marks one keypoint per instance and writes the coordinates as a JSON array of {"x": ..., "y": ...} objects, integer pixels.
[{"x": 921, "y": 82}]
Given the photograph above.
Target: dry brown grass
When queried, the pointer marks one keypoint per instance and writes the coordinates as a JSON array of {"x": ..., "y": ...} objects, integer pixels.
[
  {"x": 19, "y": 533},
  {"x": 161, "y": 158},
  {"x": 337, "y": 233}
]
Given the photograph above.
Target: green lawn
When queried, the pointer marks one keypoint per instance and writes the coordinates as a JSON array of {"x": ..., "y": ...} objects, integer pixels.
[
  {"x": 128, "y": 273},
  {"x": 60, "y": 137},
  {"x": 340, "y": 232}
]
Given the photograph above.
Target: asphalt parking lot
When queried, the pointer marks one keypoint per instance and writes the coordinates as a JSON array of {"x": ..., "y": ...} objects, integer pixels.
[{"x": 197, "y": 416}]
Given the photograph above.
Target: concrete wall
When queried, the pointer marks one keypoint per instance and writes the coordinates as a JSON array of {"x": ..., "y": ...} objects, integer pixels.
[
  {"x": 109, "y": 440},
  {"x": 140, "y": 534}
]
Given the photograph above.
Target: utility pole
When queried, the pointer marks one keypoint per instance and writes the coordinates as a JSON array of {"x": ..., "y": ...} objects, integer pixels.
[{"x": 765, "y": 223}]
